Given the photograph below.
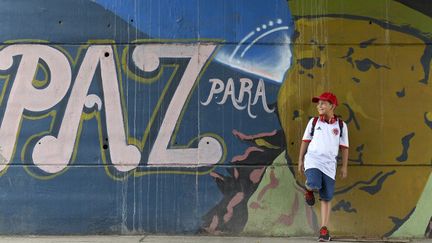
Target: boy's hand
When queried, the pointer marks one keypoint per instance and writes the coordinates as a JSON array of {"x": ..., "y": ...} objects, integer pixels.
[
  {"x": 300, "y": 167},
  {"x": 344, "y": 172}
]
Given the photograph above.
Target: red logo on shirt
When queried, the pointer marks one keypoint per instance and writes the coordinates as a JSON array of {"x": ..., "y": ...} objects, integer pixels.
[{"x": 335, "y": 131}]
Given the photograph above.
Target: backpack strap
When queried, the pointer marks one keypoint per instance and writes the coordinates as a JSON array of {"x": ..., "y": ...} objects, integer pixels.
[
  {"x": 340, "y": 126},
  {"x": 314, "y": 122}
]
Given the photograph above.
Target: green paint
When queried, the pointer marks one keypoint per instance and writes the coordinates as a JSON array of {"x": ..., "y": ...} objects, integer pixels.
[
  {"x": 416, "y": 225},
  {"x": 275, "y": 202}
]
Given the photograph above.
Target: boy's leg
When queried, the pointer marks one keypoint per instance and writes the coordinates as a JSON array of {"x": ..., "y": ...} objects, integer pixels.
[
  {"x": 325, "y": 212},
  {"x": 326, "y": 195},
  {"x": 313, "y": 183},
  {"x": 325, "y": 216}
]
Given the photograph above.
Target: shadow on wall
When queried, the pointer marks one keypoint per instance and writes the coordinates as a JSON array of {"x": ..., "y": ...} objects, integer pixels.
[{"x": 428, "y": 232}]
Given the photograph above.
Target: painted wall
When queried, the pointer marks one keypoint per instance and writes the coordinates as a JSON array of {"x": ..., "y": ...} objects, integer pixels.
[{"x": 131, "y": 117}]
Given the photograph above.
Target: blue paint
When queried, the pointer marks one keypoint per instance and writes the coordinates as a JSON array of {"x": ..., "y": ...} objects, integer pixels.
[
  {"x": 401, "y": 93},
  {"x": 372, "y": 190},
  {"x": 318, "y": 63},
  {"x": 348, "y": 188},
  {"x": 194, "y": 19},
  {"x": 307, "y": 62},
  {"x": 427, "y": 121},
  {"x": 356, "y": 79},
  {"x": 85, "y": 201},
  {"x": 91, "y": 196},
  {"x": 81, "y": 21},
  {"x": 345, "y": 206},
  {"x": 245, "y": 27},
  {"x": 296, "y": 114},
  {"x": 367, "y": 43},
  {"x": 348, "y": 56},
  {"x": 425, "y": 61},
  {"x": 351, "y": 116},
  {"x": 359, "y": 158},
  {"x": 405, "y": 147},
  {"x": 365, "y": 64},
  {"x": 359, "y": 150}
]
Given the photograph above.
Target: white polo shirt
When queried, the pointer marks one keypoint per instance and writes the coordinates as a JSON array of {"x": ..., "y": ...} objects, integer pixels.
[{"x": 324, "y": 146}]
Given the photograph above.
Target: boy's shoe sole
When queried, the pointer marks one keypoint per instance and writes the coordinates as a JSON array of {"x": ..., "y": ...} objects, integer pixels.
[
  {"x": 324, "y": 240},
  {"x": 309, "y": 198},
  {"x": 324, "y": 235}
]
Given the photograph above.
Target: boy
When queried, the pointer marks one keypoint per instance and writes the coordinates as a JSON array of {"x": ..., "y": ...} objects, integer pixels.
[{"x": 322, "y": 139}]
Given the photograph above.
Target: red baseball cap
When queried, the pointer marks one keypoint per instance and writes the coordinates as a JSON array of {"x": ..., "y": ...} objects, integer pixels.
[{"x": 327, "y": 96}]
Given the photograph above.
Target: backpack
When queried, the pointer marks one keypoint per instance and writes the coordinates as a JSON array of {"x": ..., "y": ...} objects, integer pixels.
[{"x": 315, "y": 120}]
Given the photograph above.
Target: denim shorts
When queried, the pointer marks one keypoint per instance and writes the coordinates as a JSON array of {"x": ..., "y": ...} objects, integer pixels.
[{"x": 318, "y": 181}]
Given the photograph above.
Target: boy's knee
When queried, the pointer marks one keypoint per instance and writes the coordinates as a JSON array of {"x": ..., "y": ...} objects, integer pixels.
[
  {"x": 311, "y": 186},
  {"x": 313, "y": 179}
]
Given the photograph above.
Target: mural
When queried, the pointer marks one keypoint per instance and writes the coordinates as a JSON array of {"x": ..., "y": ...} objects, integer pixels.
[
  {"x": 183, "y": 116},
  {"x": 131, "y": 123},
  {"x": 385, "y": 94}
]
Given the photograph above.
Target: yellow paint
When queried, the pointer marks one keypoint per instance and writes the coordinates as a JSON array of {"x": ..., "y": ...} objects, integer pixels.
[
  {"x": 264, "y": 143},
  {"x": 383, "y": 117},
  {"x": 40, "y": 83},
  {"x": 5, "y": 79},
  {"x": 429, "y": 116}
]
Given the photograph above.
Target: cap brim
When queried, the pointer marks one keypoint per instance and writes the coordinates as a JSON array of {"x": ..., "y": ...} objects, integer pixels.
[{"x": 315, "y": 99}]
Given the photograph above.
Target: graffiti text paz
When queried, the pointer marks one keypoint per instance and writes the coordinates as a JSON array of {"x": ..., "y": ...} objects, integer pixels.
[{"x": 53, "y": 152}]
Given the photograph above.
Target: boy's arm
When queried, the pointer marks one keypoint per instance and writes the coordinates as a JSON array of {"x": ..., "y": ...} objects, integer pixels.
[
  {"x": 303, "y": 148},
  {"x": 344, "y": 169},
  {"x": 343, "y": 145}
]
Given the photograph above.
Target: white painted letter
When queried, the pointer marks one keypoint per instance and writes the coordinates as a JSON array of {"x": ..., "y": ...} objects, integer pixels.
[
  {"x": 217, "y": 87},
  {"x": 261, "y": 93},
  {"x": 24, "y": 95},
  {"x": 209, "y": 150},
  {"x": 52, "y": 154},
  {"x": 230, "y": 91}
]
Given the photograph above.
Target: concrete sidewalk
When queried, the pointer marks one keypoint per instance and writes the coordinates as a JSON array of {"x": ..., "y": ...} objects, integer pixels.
[{"x": 175, "y": 239}]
